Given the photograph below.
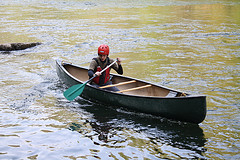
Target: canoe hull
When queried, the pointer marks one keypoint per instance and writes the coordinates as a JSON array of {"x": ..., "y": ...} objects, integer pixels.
[{"x": 189, "y": 109}]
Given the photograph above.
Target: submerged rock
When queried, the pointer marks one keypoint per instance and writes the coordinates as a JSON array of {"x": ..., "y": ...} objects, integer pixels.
[{"x": 17, "y": 46}]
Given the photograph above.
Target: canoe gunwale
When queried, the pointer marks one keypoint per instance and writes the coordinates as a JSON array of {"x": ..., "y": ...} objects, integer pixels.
[{"x": 61, "y": 64}]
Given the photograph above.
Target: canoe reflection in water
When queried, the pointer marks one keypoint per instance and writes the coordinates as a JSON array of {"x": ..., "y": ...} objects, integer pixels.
[{"x": 116, "y": 128}]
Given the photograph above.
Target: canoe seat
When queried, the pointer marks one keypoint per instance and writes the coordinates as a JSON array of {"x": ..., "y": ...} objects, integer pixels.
[{"x": 136, "y": 88}]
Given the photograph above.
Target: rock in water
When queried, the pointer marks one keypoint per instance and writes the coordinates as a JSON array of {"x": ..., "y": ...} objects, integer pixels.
[{"x": 17, "y": 46}]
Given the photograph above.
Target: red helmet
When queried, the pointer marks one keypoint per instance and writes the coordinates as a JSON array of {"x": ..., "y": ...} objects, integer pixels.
[{"x": 103, "y": 49}]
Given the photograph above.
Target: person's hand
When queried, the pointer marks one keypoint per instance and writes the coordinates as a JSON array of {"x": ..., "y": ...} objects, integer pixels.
[
  {"x": 97, "y": 73},
  {"x": 119, "y": 61}
]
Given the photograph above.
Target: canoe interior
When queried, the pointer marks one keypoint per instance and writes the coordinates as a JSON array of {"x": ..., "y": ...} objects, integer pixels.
[{"x": 152, "y": 91}]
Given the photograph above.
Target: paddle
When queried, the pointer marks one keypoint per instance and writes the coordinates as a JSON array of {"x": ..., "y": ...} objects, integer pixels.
[{"x": 76, "y": 90}]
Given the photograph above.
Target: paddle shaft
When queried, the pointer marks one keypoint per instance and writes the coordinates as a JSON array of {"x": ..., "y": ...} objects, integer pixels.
[
  {"x": 83, "y": 85},
  {"x": 103, "y": 70}
]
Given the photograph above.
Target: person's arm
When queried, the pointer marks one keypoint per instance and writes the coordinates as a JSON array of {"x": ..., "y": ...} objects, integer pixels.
[
  {"x": 90, "y": 73},
  {"x": 92, "y": 66},
  {"x": 120, "y": 69},
  {"x": 117, "y": 66}
]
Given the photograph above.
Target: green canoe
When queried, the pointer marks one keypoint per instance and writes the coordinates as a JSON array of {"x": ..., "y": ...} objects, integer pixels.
[{"x": 138, "y": 95}]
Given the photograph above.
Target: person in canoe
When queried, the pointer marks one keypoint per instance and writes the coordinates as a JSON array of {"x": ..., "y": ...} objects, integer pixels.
[{"x": 99, "y": 63}]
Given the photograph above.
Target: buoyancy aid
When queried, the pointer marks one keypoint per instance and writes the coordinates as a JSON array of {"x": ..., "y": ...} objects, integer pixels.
[{"x": 105, "y": 75}]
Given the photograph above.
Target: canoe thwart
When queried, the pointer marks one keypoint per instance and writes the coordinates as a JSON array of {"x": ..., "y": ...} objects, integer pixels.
[
  {"x": 132, "y": 89},
  {"x": 118, "y": 84}
]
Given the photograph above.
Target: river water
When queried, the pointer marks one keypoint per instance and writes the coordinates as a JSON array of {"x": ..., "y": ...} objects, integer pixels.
[{"x": 191, "y": 46}]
